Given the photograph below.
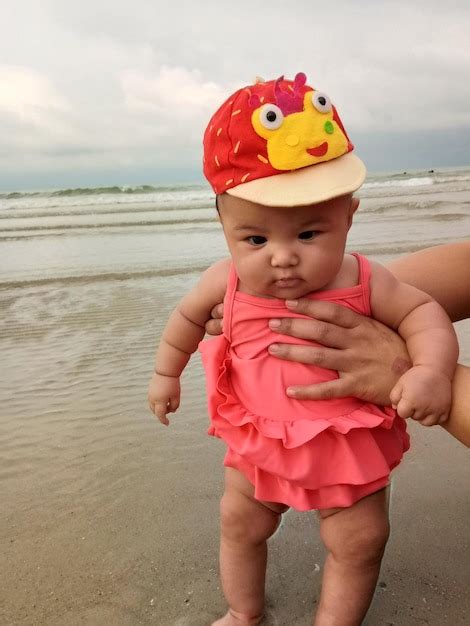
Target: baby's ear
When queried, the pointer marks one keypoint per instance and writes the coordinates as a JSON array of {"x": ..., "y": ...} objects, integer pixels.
[
  {"x": 354, "y": 205},
  {"x": 217, "y": 205}
]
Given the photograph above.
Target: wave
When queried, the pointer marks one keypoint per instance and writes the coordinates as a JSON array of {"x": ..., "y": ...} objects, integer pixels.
[
  {"x": 106, "y": 225},
  {"x": 58, "y": 210},
  {"x": 452, "y": 179},
  {"x": 200, "y": 195},
  {"x": 404, "y": 205},
  {"x": 403, "y": 182},
  {"x": 104, "y": 276},
  {"x": 374, "y": 180},
  {"x": 94, "y": 191}
]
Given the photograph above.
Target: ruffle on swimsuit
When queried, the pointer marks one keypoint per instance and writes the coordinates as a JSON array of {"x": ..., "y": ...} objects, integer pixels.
[{"x": 303, "y": 453}]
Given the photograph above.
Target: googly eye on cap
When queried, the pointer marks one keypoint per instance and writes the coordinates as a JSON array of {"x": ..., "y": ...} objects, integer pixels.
[
  {"x": 321, "y": 102},
  {"x": 280, "y": 143},
  {"x": 271, "y": 116}
]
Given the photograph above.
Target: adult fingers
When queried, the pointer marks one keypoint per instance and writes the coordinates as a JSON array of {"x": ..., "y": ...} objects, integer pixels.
[
  {"x": 214, "y": 327},
  {"x": 324, "y": 357},
  {"x": 328, "y": 358},
  {"x": 313, "y": 330},
  {"x": 320, "y": 391},
  {"x": 218, "y": 311},
  {"x": 325, "y": 311}
]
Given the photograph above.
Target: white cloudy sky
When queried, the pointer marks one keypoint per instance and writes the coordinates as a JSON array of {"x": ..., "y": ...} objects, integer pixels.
[{"x": 118, "y": 91}]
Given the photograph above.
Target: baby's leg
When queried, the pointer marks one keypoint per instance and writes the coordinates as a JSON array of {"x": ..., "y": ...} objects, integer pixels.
[
  {"x": 245, "y": 524},
  {"x": 355, "y": 538}
]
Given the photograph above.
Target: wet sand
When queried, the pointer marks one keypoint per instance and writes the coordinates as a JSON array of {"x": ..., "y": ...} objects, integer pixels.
[
  {"x": 124, "y": 532},
  {"x": 109, "y": 519}
]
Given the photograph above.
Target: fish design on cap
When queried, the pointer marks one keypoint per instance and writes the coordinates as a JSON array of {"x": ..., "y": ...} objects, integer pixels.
[
  {"x": 270, "y": 128},
  {"x": 299, "y": 129}
]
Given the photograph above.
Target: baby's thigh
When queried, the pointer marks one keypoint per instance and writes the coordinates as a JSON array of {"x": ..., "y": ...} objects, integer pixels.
[
  {"x": 238, "y": 484},
  {"x": 360, "y": 531},
  {"x": 242, "y": 517}
]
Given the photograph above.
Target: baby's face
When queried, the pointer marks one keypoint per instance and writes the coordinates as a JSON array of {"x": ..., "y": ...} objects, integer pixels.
[{"x": 284, "y": 252}]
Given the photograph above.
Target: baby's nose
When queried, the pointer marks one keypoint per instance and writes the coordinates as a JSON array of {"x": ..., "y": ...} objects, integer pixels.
[{"x": 284, "y": 256}]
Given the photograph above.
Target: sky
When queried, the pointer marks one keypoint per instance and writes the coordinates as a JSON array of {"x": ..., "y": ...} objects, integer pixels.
[{"x": 102, "y": 92}]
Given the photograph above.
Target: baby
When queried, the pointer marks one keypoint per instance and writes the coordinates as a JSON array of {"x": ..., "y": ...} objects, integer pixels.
[{"x": 281, "y": 165}]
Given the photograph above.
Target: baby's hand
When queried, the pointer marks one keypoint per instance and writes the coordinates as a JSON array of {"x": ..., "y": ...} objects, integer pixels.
[
  {"x": 164, "y": 396},
  {"x": 424, "y": 394}
]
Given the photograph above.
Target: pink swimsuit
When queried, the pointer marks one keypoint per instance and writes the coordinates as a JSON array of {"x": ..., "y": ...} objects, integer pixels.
[{"x": 308, "y": 454}]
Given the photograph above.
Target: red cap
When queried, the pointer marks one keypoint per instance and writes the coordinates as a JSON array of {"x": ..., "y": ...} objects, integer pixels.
[{"x": 266, "y": 132}]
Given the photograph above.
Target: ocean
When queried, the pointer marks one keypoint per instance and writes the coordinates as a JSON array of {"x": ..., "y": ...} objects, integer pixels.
[
  {"x": 138, "y": 232},
  {"x": 87, "y": 279}
]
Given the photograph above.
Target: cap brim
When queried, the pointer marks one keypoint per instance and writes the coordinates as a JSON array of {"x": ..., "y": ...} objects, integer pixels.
[{"x": 307, "y": 185}]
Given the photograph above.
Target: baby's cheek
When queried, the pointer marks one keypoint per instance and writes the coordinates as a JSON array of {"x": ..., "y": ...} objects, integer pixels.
[
  {"x": 251, "y": 270},
  {"x": 325, "y": 265}
]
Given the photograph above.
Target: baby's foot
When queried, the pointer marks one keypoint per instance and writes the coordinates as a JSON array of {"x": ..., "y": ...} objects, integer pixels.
[{"x": 233, "y": 618}]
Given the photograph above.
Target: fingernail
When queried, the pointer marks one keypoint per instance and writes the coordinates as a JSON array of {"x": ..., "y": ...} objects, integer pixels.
[
  {"x": 292, "y": 303},
  {"x": 274, "y": 323},
  {"x": 273, "y": 347},
  {"x": 290, "y": 391}
]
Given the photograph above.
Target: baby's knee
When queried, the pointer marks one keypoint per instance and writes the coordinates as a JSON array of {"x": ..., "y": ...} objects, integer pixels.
[
  {"x": 362, "y": 545},
  {"x": 368, "y": 546},
  {"x": 243, "y": 519}
]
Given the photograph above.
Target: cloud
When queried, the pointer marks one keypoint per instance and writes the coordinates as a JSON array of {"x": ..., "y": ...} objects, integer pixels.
[
  {"x": 172, "y": 90},
  {"x": 33, "y": 114},
  {"x": 104, "y": 84},
  {"x": 28, "y": 93},
  {"x": 156, "y": 117}
]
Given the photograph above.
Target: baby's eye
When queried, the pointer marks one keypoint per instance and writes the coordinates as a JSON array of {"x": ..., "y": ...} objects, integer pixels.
[
  {"x": 256, "y": 240},
  {"x": 307, "y": 234}
]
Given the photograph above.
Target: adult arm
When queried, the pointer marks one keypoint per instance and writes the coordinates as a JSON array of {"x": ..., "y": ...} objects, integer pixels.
[
  {"x": 443, "y": 272},
  {"x": 458, "y": 423}
]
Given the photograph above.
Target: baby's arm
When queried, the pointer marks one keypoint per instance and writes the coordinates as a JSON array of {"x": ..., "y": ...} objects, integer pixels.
[
  {"x": 424, "y": 391},
  {"x": 181, "y": 336}
]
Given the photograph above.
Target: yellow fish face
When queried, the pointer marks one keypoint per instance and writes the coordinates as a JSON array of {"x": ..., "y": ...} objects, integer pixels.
[{"x": 303, "y": 138}]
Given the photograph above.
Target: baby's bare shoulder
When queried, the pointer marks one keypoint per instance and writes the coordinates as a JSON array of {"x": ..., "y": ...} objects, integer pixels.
[
  {"x": 348, "y": 275},
  {"x": 218, "y": 271},
  {"x": 214, "y": 279}
]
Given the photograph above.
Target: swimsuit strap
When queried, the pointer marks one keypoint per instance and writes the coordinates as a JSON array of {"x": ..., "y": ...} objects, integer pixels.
[
  {"x": 232, "y": 283},
  {"x": 364, "y": 280}
]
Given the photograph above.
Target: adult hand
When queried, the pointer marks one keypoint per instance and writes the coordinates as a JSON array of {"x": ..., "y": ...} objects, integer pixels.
[{"x": 369, "y": 357}]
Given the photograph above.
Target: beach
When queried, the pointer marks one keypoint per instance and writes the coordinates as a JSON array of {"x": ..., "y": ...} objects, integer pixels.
[{"x": 107, "y": 517}]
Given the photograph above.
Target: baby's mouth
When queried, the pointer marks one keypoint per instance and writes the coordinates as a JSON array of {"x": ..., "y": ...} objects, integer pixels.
[
  {"x": 287, "y": 282},
  {"x": 320, "y": 150}
]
